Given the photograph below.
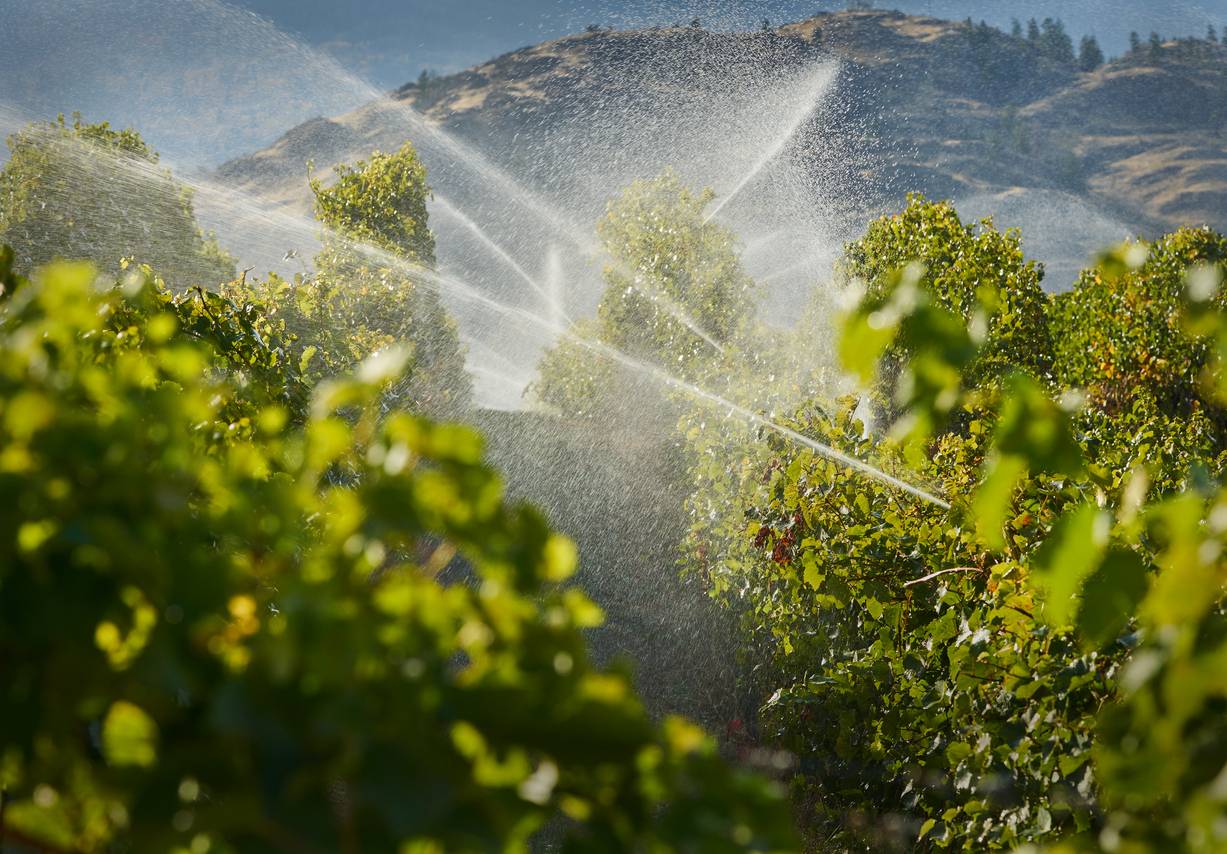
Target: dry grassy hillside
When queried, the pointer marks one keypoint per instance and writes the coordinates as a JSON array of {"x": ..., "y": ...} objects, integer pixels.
[{"x": 919, "y": 104}]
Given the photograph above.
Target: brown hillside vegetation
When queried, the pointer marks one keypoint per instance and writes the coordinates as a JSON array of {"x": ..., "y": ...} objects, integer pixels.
[{"x": 920, "y": 104}]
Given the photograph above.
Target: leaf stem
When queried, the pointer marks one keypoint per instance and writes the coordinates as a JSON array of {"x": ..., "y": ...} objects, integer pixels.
[{"x": 940, "y": 572}]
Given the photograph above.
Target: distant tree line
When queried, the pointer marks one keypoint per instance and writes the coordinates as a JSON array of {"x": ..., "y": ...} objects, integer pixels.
[
  {"x": 1050, "y": 39},
  {"x": 1156, "y": 46}
]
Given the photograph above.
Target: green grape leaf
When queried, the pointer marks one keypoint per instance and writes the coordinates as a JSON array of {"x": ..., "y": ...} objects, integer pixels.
[
  {"x": 1110, "y": 597},
  {"x": 1070, "y": 554},
  {"x": 129, "y": 736}
]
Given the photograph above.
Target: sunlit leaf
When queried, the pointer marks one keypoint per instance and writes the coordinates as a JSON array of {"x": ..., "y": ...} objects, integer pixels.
[
  {"x": 129, "y": 736},
  {"x": 1110, "y": 597},
  {"x": 1071, "y": 553}
]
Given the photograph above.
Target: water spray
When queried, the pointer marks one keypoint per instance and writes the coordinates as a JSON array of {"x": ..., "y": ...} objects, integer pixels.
[
  {"x": 489, "y": 243},
  {"x": 659, "y": 375},
  {"x": 803, "y": 265},
  {"x": 823, "y": 79},
  {"x": 444, "y": 284},
  {"x": 555, "y": 283}
]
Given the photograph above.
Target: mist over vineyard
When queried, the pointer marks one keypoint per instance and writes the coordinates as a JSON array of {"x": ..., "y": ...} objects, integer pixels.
[{"x": 713, "y": 427}]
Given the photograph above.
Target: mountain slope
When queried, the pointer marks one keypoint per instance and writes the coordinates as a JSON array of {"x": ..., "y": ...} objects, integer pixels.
[
  {"x": 393, "y": 39},
  {"x": 914, "y": 104}
]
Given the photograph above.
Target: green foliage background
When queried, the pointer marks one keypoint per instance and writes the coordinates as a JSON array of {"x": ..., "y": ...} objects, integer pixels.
[
  {"x": 88, "y": 191},
  {"x": 1004, "y": 671},
  {"x": 252, "y": 597},
  {"x": 676, "y": 298},
  {"x": 374, "y": 285},
  {"x": 224, "y": 632}
]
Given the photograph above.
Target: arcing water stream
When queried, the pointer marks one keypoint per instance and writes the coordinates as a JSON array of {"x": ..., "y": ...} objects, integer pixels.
[
  {"x": 130, "y": 173},
  {"x": 775, "y": 147},
  {"x": 553, "y": 303},
  {"x": 199, "y": 55},
  {"x": 518, "y": 262}
]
